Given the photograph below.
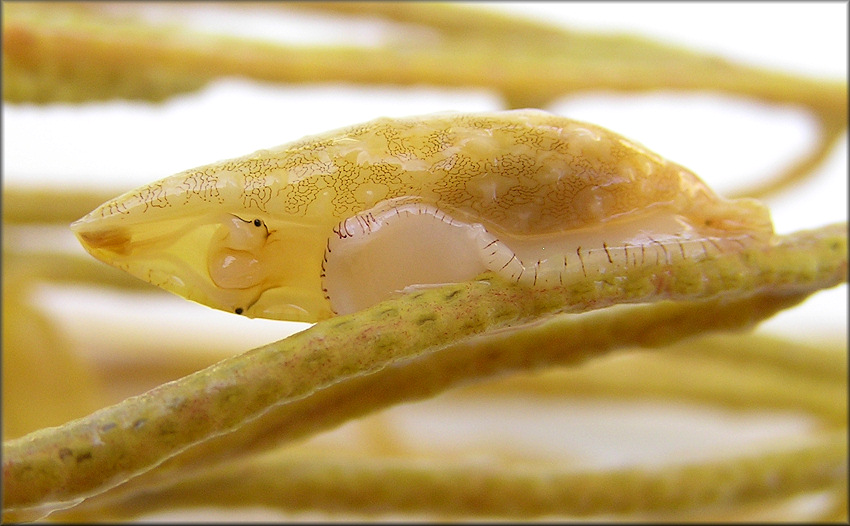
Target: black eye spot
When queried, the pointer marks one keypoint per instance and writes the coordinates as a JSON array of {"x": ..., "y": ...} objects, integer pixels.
[
  {"x": 257, "y": 222},
  {"x": 238, "y": 310}
]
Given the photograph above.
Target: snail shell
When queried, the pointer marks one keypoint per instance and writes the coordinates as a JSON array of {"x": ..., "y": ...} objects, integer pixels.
[{"x": 336, "y": 222}]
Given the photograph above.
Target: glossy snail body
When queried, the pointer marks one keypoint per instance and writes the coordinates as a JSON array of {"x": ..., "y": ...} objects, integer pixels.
[{"x": 339, "y": 221}]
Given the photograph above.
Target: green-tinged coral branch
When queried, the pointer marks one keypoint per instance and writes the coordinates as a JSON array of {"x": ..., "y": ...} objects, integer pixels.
[
  {"x": 563, "y": 341},
  {"x": 57, "y": 466},
  {"x": 720, "y": 370},
  {"x": 104, "y": 52},
  {"x": 49, "y": 44},
  {"x": 449, "y": 19},
  {"x": 337, "y": 482},
  {"x": 749, "y": 353}
]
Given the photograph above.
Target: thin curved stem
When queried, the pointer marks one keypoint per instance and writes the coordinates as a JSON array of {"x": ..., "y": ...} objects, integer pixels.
[
  {"x": 57, "y": 466},
  {"x": 304, "y": 479}
]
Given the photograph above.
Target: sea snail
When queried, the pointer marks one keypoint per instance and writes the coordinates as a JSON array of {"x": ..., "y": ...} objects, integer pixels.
[{"x": 336, "y": 222}]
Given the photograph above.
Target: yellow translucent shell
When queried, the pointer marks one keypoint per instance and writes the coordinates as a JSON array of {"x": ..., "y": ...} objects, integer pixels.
[{"x": 335, "y": 222}]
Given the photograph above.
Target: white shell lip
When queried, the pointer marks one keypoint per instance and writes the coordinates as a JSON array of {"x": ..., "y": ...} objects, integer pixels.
[{"x": 375, "y": 255}]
